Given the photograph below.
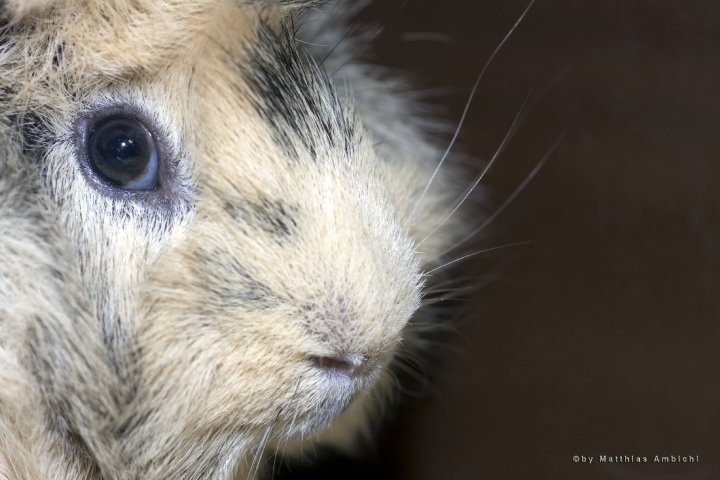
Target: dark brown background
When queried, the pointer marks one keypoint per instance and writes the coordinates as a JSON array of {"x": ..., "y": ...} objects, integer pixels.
[{"x": 600, "y": 336}]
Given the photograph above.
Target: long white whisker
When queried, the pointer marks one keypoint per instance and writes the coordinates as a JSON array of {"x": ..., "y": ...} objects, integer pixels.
[
  {"x": 498, "y": 151},
  {"x": 467, "y": 108},
  {"x": 486, "y": 250},
  {"x": 284, "y": 442},
  {"x": 255, "y": 466},
  {"x": 512, "y": 197},
  {"x": 428, "y": 294}
]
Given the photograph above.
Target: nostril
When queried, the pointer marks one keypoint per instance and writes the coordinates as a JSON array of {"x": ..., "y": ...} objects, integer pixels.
[{"x": 351, "y": 364}]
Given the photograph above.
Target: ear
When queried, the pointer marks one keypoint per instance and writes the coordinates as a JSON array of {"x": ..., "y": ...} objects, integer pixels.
[{"x": 18, "y": 10}]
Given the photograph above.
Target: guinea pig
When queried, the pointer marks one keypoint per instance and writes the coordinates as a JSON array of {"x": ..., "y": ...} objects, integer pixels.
[{"x": 215, "y": 237}]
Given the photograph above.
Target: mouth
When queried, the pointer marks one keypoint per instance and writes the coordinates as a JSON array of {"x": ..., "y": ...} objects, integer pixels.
[{"x": 337, "y": 382}]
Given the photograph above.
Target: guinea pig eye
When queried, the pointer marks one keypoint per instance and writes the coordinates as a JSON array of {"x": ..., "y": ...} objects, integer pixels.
[{"x": 123, "y": 153}]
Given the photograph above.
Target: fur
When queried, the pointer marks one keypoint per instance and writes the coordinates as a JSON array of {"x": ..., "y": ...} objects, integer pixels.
[{"x": 171, "y": 333}]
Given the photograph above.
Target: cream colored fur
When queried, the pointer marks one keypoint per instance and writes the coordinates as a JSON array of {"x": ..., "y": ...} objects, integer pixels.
[{"x": 141, "y": 340}]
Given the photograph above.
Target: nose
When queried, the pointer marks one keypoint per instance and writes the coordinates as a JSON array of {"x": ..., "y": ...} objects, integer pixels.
[{"x": 350, "y": 365}]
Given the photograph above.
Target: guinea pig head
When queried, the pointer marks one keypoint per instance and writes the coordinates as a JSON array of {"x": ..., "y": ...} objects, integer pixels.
[{"x": 244, "y": 242}]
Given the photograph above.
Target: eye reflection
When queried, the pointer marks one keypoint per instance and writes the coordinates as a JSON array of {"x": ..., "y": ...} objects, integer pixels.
[{"x": 123, "y": 153}]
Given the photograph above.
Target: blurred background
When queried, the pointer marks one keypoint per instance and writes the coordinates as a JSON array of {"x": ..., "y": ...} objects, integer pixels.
[{"x": 600, "y": 336}]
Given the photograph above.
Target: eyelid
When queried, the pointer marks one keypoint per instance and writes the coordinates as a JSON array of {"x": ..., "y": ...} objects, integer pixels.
[{"x": 170, "y": 190}]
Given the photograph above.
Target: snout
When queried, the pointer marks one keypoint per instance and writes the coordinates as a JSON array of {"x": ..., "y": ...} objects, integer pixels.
[{"x": 351, "y": 365}]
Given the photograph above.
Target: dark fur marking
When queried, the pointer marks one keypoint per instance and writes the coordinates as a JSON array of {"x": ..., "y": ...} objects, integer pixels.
[
  {"x": 33, "y": 132},
  {"x": 295, "y": 96},
  {"x": 271, "y": 216},
  {"x": 231, "y": 285},
  {"x": 134, "y": 421},
  {"x": 58, "y": 56},
  {"x": 301, "y": 4},
  {"x": 58, "y": 411},
  {"x": 122, "y": 354},
  {"x": 26, "y": 121}
]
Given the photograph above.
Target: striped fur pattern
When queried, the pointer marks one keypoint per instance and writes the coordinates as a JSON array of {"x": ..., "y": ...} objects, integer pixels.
[{"x": 175, "y": 332}]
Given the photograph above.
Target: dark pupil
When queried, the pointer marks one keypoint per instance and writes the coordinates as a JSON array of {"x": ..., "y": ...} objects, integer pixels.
[{"x": 121, "y": 149}]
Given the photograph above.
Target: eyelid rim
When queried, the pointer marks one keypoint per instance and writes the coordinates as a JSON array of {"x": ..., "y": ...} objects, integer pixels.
[{"x": 165, "y": 194}]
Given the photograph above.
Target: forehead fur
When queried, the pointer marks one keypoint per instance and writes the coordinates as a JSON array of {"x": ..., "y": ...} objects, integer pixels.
[
  {"x": 120, "y": 39},
  {"x": 23, "y": 10}
]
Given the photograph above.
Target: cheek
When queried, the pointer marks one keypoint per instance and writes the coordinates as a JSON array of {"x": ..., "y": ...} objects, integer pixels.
[{"x": 243, "y": 381}]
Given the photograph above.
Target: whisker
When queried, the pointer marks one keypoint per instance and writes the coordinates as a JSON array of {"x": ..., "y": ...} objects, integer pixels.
[
  {"x": 463, "y": 286},
  {"x": 511, "y": 131},
  {"x": 275, "y": 455},
  {"x": 414, "y": 370},
  {"x": 305, "y": 42},
  {"x": 486, "y": 250},
  {"x": 435, "y": 301},
  {"x": 512, "y": 197},
  {"x": 467, "y": 108},
  {"x": 255, "y": 466},
  {"x": 344, "y": 37},
  {"x": 428, "y": 295},
  {"x": 285, "y": 439},
  {"x": 446, "y": 282}
]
